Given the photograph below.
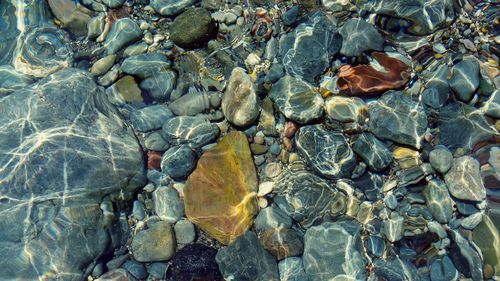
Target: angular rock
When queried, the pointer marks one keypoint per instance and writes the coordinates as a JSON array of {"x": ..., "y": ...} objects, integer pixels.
[
  {"x": 150, "y": 118},
  {"x": 240, "y": 103},
  {"x": 113, "y": 3},
  {"x": 178, "y": 161},
  {"x": 184, "y": 232},
  {"x": 372, "y": 151},
  {"x": 170, "y": 7},
  {"x": 160, "y": 85},
  {"x": 438, "y": 200},
  {"x": 359, "y": 36},
  {"x": 396, "y": 269},
  {"x": 282, "y": 242},
  {"x": 297, "y": 99},
  {"x": 146, "y": 65},
  {"x": 371, "y": 184},
  {"x": 292, "y": 269},
  {"x": 125, "y": 90},
  {"x": 345, "y": 109},
  {"x": 465, "y": 78},
  {"x": 195, "y": 131},
  {"x": 122, "y": 33},
  {"x": 441, "y": 159},
  {"x": 219, "y": 196},
  {"x": 393, "y": 228},
  {"x": 196, "y": 262},
  {"x": 464, "y": 180},
  {"x": 442, "y": 269},
  {"x": 272, "y": 217},
  {"x": 117, "y": 274},
  {"x": 492, "y": 106},
  {"x": 167, "y": 204},
  {"x": 327, "y": 152},
  {"x": 487, "y": 238},
  {"x": 192, "y": 28},
  {"x": 156, "y": 243},
  {"x": 437, "y": 87},
  {"x": 71, "y": 15}
]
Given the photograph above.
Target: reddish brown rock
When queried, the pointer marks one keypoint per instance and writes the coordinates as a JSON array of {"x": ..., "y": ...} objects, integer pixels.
[
  {"x": 220, "y": 195},
  {"x": 365, "y": 80},
  {"x": 154, "y": 160}
]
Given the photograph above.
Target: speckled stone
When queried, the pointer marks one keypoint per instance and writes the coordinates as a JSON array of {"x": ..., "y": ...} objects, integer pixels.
[
  {"x": 156, "y": 243},
  {"x": 438, "y": 200},
  {"x": 178, "y": 161},
  {"x": 240, "y": 103},
  {"x": 464, "y": 180},
  {"x": 441, "y": 159}
]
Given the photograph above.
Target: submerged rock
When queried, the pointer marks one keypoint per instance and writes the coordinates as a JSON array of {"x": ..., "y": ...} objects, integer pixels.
[
  {"x": 372, "y": 151},
  {"x": 160, "y": 85},
  {"x": 240, "y": 103},
  {"x": 438, "y": 200},
  {"x": 465, "y": 78},
  {"x": 189, "y": 33},
  {"x": 487, "y": 237},
  {"x": 396, "y": 269},
  {"x": 345, "y": 109},
  {"x": 178, "y": 161},
  {"x": 150, "y": 118},
  {"x": 195, "y": 131},
  {"x": 466, "y": 259},
  {"x": 156, "y": 243},
  {"x": 11, "y": 80},
  {"x": 123, "y": 32},
  {"x": 8, "y": 27},
  {"x": 292, "y": 269},
  {"x": 170, "y": 7},
  {"x": 167, "y": 204},
  {"x": 441, "y": 159},
  {"x": 146, "y": 65},
  {"x": 359, "y": 36},
  {"x": 464, "y": 180},
  {"x": 71, "y": 15},
  {"x": 437, "y": 87},
  {"x": 196, "y": 262}
]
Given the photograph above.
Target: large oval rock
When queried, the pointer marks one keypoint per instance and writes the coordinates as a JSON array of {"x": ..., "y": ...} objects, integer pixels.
[
  {"x": 192, "y": 28},
  {"x": 146, "y": 65},
  {"x": 219, "y": 196},
  {"x": 63, "y": 148},
  {"x": 359, "y": 36},
  {"x": 240, "y": 102}
]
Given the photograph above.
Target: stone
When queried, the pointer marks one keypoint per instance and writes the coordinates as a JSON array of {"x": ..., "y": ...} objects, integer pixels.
[
  {"x": 138, "y": 210},
  {"x": 437, "y": 87},
  {"x": 11, "y": 80},
  {"x": 167, "y": 204},
  {"x": 319, "y": 200},
  {"x": 184, "y": 232},
  {"x": 194, "y": 131},
  {"x": 170, "y": 7},
  {"x": 156, "y": 142},
  {"x": 307, "y": 50},
  {"x": 465, "y": 258},
  {"x": 359, "y": 36},
  {"x": 492, "y": 106},
  {"x": 73, "y": 16},
  {"x": 157, "y": 243},
  {"x": 196, "y": 262},
  {"x": 220, "y": 194},
  {"x": 178, "y": 161},
  {"x": 393, "y": 228},
  {"x": 96, "y": 26},
  {"x": 117, "y": 274},
  {"x": 154, "y": 160},
  {"x": 125, "y": 90},
  {"x": 193, "y": 103},
  {"x": 123, "y": 32},
  {"x": 146, "y": 65},
  {"x": 137, "y": 269},
  {"x": 375, "y": 245},
  {"x": 150, "y": 118},
  {"x": 371, "y": 184},
  {"x": 442, "y": 269},
  {"x": 487, "y": 238},
  {"x": 465, "y": 78},
  {"x": 157, "y": 270},
  {"x": 333, "y": 244},
  {"x": 396, "y": 269},
  {"x": 441, "y": 159},
  {"x": 63, "y": 148},
  {"x": 438, "y": 200},
  {"x": 240, "y": 103},
  {"x": 464, "y": 180},
  {"x": 10, "y": 33},
  {"x": 271, "y": 218},
  {"x": 113, "y": 4},
  {"x": 160, "y": 85},
  {"x": 292, "y": 269},
  {"x": 297, "y": 99},
  {"x": 102, "y": 65},
  {"x": 282, "y": 242},
  {"x": 396, "y": 116},
  {"x": 193, "y": 28},
  {"x": 373, "y": 152},
  {"x": 246, "y": 259},
  {"x": 327, "y": 152},
  {"x": 470, "y": 222},
  {"x": 345, "y": 109}
]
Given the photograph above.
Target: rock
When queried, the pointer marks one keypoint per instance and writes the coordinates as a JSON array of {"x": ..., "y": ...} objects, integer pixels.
[
  {"x": 189, "y": 33},
  {"x": 271, "y": 218},
  {"x": 69, "y": 163},
  {"x": 146, "y": 65},
  {"x": 307, "y": 50},
  {"x": 102, "y": 65},
  {"x": 195, "y": 131},
  {"x": 96, "y": 26},
  {"x": 328, "y": 153},
  {"x": 113, "y": 4},
  {"x": 359, "y": 36},
  {"x": 123, "y": 32},
  {"x": 170, "y": 7},
  {"x": 333, "y": 244},
  {"x": 487, "y": 238},
  {"x": 137, "y": 269},
  {"x": 10, "y": 33},
  {"x": 160, "y": 85},
  {"x": 465, "y": 258},
  {"x": 11, "y": 80},
  {"x": 492, "y": 106},
  {"x": 345, "y": 109},
  {"x": 319, "y": 201},
  {"x": 71, "y": 15},
  {"x": 371, "y": 184},
  {"x": 240, "y": 103},
  {"x": 150, "y": 118},
  {"x": 437, "y": 87},
  {"x": 119, "y": 274},
  {"x": 157, "y": 243},
  {"x": 464, "y": 180},
  {"x": 126, "y": 90},
  {"x": 375, "y": 245},
  {"x": 184, "y": 232},
  {"x": 245, "y": 259},
  {"x": 178, "y": 161},
  {"x": 167, "y": 204},
  {"x": 196, "y": 262},
  {"x": 157, "y": 270},
  {"x": 442, "y": 269},
  {"x": 138, "y": 210},
  {"x": 193, "y": 103},
  {"x": 465, "y": 78},
  {"x": 471, "y": 221},
  {"x": 282, "y": 242},
  {"x": 297, "y": 99},
  {"x": 219, "y": 196},
  {"x": 372, "y": 151},
  {"x": 438, "y": 200},
  {"x": 396, "y": 269},
  {"x": 441, "y": 159},
  {"x": 292, "y": 269},
  {"x": 393, "y": 228},
  {"x": 398, "y": 117}
]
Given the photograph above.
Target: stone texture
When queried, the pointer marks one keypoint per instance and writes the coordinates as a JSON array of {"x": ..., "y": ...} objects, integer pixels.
[
  {"x": 465, "y": 257},
  {"x": 71, "y": 15},
  {"x": 192, "y": 28},
  {"x": 270, "y": 218},
  {"x": 359, "y": 36},
  {"x": 441, "y": 159},
  {"x": 437, "y": 87},
  {"x": 345, "y": 109},
  {"x": 486, "y": 236},
  {"x": 292, "y": 269},
  {"x": 373, "y": 152},
  {"x": 438, "y": 200},
  {"x": 170, "y": 7},
  {"x": 220, "y": 194},
  {"x": 464, "y": 180},
  {"x": 178, "y": 161},
  {"x": 157, "y": 243},
  {"x": 282, "y": 242},
  {"x": 123, "y": 32},
  {"x": 465, "y": 78},
  {"x": 150, "y": 118},
  {"x": 11, "y": 80},
  {"x": 160, "y": 85},
  {"x": 191, "y": 130},
  {"x": 240, "y": 103},
  {"x": 396, "y": 269},
  {"x": 492, "y": 106},
  {"x": 146, "y": 65},
  {"x": 196, "y": 262},
  {"x": 167, "y": 204}
]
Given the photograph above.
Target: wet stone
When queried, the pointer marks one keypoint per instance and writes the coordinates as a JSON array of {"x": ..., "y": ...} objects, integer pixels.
[
  {"x": 396, "y": 269},
  {"x": 327, "y": 152},
  {"x": 344, "y": 109},
  {"x": 470, "y": 222},
  {"x": 465, "y": 78},
  {"x": 150, "y": 118},
  {"x": 160, "y": 85},
  {"x": 157, "y": 270},
  {"x": 292, "y": 269},
  {"x": 442, "y": 269},
  {"x": 156, "y": 142},
  {"x": 441, "y": 159},
  {"x": 196, "y": 262},
  {"x": 492, "y": 106},
  {"x": 486, "y": 236},
  {"x": 240, "y": 103},
  {"x": 145, "y": 65},
  {"x": 195, "y": 131},
  {"x": 464, "y": 180},
  {"x": 359, "y": 36},
  {"x": 375, "y": 245},
  {"x": 113, "y": 4},
  {"x": 438, "y": 200},
  {"x": 371, "y": 184},
  {"x": 167, "y": 204},
  {"x": 372, "y": 151},
  {"x": 123, "y": 32},
  {"x": 170, "y": 7},
  {"x": 393, "y": 228},
  {"x": 271, "y": 217},
  {"x": 156, "y": 243},
  {"x": 192, "y": 28},
  {"x": 11, "y": 80},
  {"x": 282, "y": 242},
  {"x": 184, "y": 232},
  {"x": 119, "y": 274},
  {"x": 465, "y": 258},
  {"x": 137, "y": 269},
  {"x": 178, "y": 161}
]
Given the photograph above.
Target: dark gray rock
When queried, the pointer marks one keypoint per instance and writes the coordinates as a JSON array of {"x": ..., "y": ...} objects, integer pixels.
[
  {"x": 178, "y": 161},
  {"x": 396, "y": 270},
  {"x": 442, "y": 269},
  {"x": 327, "y": 152},
  {"x": 192, "y": 28},
  {"x": 170, "y": 7},
  {"x": 137, "y": 269},
  {"x": 465, "y": 258},
  {"x": 492, "y": 106},
  {"x": 150, "y": 118},
  {"x": 63, "y": 148},
  {"x": 438, "y": 200},
  {"x": 437, "y": 87},
  {"x": 195, "y": 131},
  {"x": 246, "y": 259},
  {"x": 158, "y": 270},
  {"x": 371, "y": 184},
  {"x": 123, "y": 32},
  {"x": 292, "y": 269},
  {"x": 160, "y": 85},
  {"x": 196, "y": 262},
  {"x": 465, "y": 78},
  {"x": 372, "y": 151},
  {"x": 397, "y": 116},
  {"x": 271, "y": 217},
  {"x": 146, "y": 65},
  {"x": 114, "y": 4},
  {"x": 156, "y": 142},
  {"x": 359, "y": 36},
  {"x": 282, "y": 242},
  {"x": 167, "y": 204},
  {"x": 375, "y": 245},
  {"x": 464, "y": 179},
  {"x": 441, "y": 159}
]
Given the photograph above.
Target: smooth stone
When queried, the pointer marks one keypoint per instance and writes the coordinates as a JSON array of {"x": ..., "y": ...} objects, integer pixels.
[
  {"x": 465, "y": 257},
  {"x": 157, "y": 270},
  {"x": 465, "y": 78},
  {"x": 71, "y": 15},
  {"x": 464, "y": 179},
  {"x": 119, "y": 274},
  {"x": 196, "y": 262},
  {"x": 438, "y": 200},
  {"x": 371, "y": 184},
  {"x": 10, "y": 32},
  {"x": 220, "y": 194},
  {"x": 344, "y": 109},
  {"x": 123, "y": 32},
  {"x": 167, "y": 204},
  {"x": 472, "y": 221},
  {"x": 102, "y": 65},
  {"x": 319, "y": 200},
  {"x": 170, "y": 7},
  {"x": 156, "y": 142},
  {"x": 184, "y": 232},
  {"x": 442, "y": 269},
  {"x": 117, "y": 262},
  {"x": 271, "y": 218},
  {"x": 125, "y": 90},
  {"x": 135, "y": 49},
  {"x": 160, "y": 85},
  {"x": 292, "y": 269},
  {"x": 291, "y": 16},
  {"x": 11, "y": 80},
  {"x": 333, "y": 244},
  {"x": 113, "y": 4},
  {"x": 157, "y": 243},
  {"x": 178, "y": 161},
  {"x": 258, "y": 149},
  {"x": 437, "y": 87},
  {"x": 396, "y": 116},
  {"x": 487, "y": 238},
  {"x": 240, "y": 103},
  {"x": 393, "y": 229},
  {"x": 150, "y": 118},
  {"x": 96, "y": 25},
  {"x": 492, "y": 106},
  {"x": 327, "y": 152},
  {"x": 137, "y": 269},
  {"x": 189, "y": 33},
  {"x": 146, "y": 65},
  {"x": 466, "y": 208},
  {"x": 138, "y": 210},
  {"x": 193, "y": 103},
  {"x": 359, "y": 36},
  {"x": 195, "y": 131},
  {"x": 267, "y": 122},
  {"x": 375, "y": 245},
  {"x": 437, "y": 228},
  {"x": 282, "y": 242},
  {"x": 372, "y": 151},
  {"x": 110, "y": 76},
  {"x": 441, "y": 159},
  {"x": 396, "y": 269},
  {"x": 391, "y": 201},
  {"x": 297, "y": 99}
]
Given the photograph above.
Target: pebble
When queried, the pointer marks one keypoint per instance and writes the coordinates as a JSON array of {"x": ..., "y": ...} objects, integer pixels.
[
  {"x": 441, "y": 159},
  {"x": 184, "y": 232},
  {"x": 188, "y": 33},
  {"x": 103, "y": 65},
  {"x": 292, "y": 269},
  {"x": 464, "y": 180},
  {"x": 178, "y": 161},
  {"x": 123, "y": 32},
  {"x": 265, "y": 188},
  {"x": 170, "y": 7},
  {"x": 465, "y": 78},
  {"x": 156, "y": 243},
  {"x": 272, "y": 218},
  {"x": 240, "y": 103},
  {"x": 167, "y": 204},
  {"x": 137, "y": 269},
  {"x": 150, "y": 118},
  {"x": 359, "y": 36}
]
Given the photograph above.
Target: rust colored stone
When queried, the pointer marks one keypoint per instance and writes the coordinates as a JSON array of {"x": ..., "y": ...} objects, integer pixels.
[
  {"x": 154, "y": 160},
  {"x": 365, "y": 80},
  {"x": 290, "y": 129}
]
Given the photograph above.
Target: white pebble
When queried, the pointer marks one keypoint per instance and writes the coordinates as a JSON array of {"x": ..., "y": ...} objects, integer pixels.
[
  {"x": 252, "y": 59},
  {"x": 265, "y": 188}
]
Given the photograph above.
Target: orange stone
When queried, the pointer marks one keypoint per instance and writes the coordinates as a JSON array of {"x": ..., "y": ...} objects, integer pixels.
[
  {"x": 154, "y": 160},
  {"x": 220, "y": 195}
]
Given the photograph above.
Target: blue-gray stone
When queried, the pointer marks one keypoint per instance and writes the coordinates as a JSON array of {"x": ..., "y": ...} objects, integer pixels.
[
  {"x": 437, "y": 87},
  {"x": 11, "y": 80},
  {"x": 123, "y": 32},
  {"x": 63, "y": 147},
  {"x": 436, "y": 227},
  {"x": 195, "y": 131},
  {"x": 168, "y": 205},
  {"x": 178, "y": 161},
  {"x": 441, "y": 159},
  {"x": 372, "y": 151},
  {"x": 156, "y": 142},
  {"x": 465, "y": 258},
  {"x": 492, "y": 106},
  {"x": 470, "y": 222},
  {"x": 292, "y": 269},
  {"x": 391, "y": 201},
  {"x": 157, "y": 243},
  {"x": 170, "y": 7},
  {"x": 396, "y": 270},
  {"x": 465, "y": 78},
  {"x": 375, "y": 245},
  {"x": 290, "y": 16},
  {"x": 271, "y": 217},
  {"x": 393, "y": 228},
  {"x": 359, "y": 36},
  {"x": 137, "y": 269},
  {"x": 150, "y": 118},
  {"x": 184, "y": 232},
  {"x": 146, "y": 65},
  {"x": 114, "y": 4},
  {"x": 157, "y": 270},
  {"x": 464, "y": 179},
  {"x": 9, "y": 31},
  {"x": 160, "y": 85},
  {"x": 466, "y": 208},
  {"x": 438, "y": 200},
  {"x": 138, "y": 210},
  {"x": 442, "y": 269},
  {"x": 246, "y": 259},
  {"x": 371, "y": 184}
]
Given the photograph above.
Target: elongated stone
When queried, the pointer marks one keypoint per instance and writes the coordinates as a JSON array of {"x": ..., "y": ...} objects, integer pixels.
[
  {"x": 195, "y": 131},
  {"x": 464, "y": 180},
  {"x": 372, "y": 151},
  {"x": 438, "y": 200},
  {"x": 123, "y": 32},
  {"x": 240, "y": 103}
]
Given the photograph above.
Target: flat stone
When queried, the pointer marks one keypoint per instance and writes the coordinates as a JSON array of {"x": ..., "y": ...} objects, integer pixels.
[
  {"x": 442, "y": 269},
  {"x": 359, "y": 36},
  {"x": 219, "y": 196},
  {"x": 487, "y": 238},
  {"x": 327, "y": 152},
  {"x": 192, "y": 28},
  {"x": 240, "y": 103},
  {"x": 184, "y": 232},
  {"x": 150, "y": 118},
  {"x": 146, "y": 65},
  {"x": 465, "y": 78},
  {"x": 125, "y": 90},
  {"x": 167, "y": 204},
  {"x": 137, "y": 269},
  {"x": 196, "y": 262},
  {"x": 123, "y": 32},
  {"x": 464, "y": 180},
  {"x": 11, "y": 80},
  {"x": 156, "y": 243},
  {"x": 119, "y": 274},
  {"x": 156, "y": 142},
  {"x": 371, "y": 184},
  {"x": 194, "y": 103},
  {"x": 345, "y": 109},
  {"x": 170, "y": 7},
  {"x": 178, "y": 161},
  {"x": 194, "y": 131},
  {"x": 437, "y": 87},
  {"x": 465, "y": 257},
  {"x": 375, "y": 245},
  {"x": 441, "y": 159},
  {"x": 372, "y": 151},
  {"x": 102, "y": 65},
  {"x": 292, "y": 269},
  {"x": 438, "y": 200},
  {"x": 73, "y": 16},
  {"x": 297, "y": 99}
]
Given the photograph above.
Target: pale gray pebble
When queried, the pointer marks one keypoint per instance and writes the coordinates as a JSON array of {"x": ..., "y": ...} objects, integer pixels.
[
  {"x": 167, "y": 204},
  {"x": 441, "y": 159},
  {"x": 151, "y": 117},
  {"x": 472, "y": 221},
  {"x": 184, "y": 232},
  {"x": 170, "y": 7}
]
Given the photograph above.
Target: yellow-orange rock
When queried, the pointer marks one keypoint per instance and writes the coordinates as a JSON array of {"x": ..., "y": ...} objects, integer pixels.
[{"x": 220, "y": 195}]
